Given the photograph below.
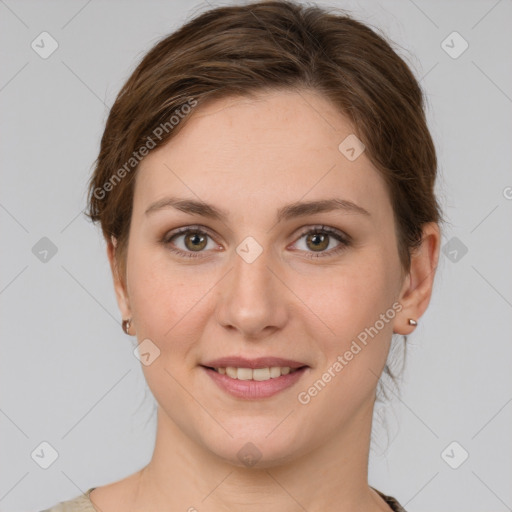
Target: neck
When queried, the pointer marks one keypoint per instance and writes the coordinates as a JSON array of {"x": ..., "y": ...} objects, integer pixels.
[{"x": 184, "y": 475}]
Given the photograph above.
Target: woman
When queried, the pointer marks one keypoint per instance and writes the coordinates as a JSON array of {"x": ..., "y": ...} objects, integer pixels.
[{"x": 265, "y": 187}]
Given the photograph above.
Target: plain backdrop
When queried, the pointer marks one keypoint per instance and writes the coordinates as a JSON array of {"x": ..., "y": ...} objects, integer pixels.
[{"x": 71, "y": 388}]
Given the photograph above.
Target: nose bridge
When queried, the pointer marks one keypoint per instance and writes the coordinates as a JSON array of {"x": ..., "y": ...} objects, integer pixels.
[
  {"x": 251, "y": 277},
  {"x": 252, "y": 299}
]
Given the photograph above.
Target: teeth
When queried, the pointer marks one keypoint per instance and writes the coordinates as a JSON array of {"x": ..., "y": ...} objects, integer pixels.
[
  {"x": 243, "y": 373},
  {"x": 231, "y": 372},
  {"x": 259, "y": 374},
  {"x": 275, "y": 371}
]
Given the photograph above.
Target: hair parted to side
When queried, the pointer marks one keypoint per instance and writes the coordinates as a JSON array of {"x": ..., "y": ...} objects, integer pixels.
[{"x": 271, "y": 45}]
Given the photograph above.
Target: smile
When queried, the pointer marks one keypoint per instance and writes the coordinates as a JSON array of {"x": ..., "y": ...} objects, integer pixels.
[
  {"x": 259, "y": 374},
  {"x": 254, "y": 383}
]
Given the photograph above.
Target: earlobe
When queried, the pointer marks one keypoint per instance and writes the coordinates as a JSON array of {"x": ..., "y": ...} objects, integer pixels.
[
  {"x": 417, "y": 289},
  {"x": 119, "y": 286}
]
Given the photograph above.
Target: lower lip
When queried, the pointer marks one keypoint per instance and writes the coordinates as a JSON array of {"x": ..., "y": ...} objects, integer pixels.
[{"x": 253, "y": 389}]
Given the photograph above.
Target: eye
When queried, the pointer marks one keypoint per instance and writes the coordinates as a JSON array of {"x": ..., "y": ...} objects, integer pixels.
[
  {"x": 319, "y": 238},
  {"x": 194, "y": 240}
]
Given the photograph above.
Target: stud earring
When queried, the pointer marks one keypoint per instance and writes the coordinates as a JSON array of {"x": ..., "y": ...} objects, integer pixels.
[
  {"x": 126, "y": 325},
  {"x": 412, "y": 322}
]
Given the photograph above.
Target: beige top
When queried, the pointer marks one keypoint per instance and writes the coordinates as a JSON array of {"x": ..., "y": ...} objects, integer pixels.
[{"x": 82, "y": 503}]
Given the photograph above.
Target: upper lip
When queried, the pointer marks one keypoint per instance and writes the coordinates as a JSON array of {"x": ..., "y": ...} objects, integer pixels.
[{"x": 259, "y": 362}]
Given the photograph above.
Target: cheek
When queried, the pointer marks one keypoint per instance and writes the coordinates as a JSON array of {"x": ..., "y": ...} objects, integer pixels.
[
  {"x": 160, "y": 295},
  {"x": 350, "y": 297},
  {"x": 165, "y": 305},
  {"x": 351, "y": 304}
]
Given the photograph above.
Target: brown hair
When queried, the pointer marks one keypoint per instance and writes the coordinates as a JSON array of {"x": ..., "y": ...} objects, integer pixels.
[{"x": 238, "y": 50}]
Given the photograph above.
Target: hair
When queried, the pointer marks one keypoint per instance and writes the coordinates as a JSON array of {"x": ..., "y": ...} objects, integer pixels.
[{"x": 242, "y": 50}]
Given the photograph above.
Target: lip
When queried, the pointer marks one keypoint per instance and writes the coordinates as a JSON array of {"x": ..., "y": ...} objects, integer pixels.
[
  {"x": 253, "y": 389},
  {"x": 259, "y": 362}
]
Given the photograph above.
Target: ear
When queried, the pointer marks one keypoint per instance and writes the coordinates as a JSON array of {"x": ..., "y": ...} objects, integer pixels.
[
  {"x": 120, "y": 287},
  {"x": 417, "y": 287}
]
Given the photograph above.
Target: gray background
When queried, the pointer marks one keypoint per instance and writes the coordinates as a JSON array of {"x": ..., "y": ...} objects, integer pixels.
[{"x": 68, "y": 374}]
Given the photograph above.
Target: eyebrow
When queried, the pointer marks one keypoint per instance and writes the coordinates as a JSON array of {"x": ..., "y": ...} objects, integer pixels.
[{"x": 290, "y": 211}]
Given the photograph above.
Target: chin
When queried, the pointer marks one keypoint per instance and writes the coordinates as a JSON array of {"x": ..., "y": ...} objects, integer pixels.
[{"x": 264, "y": 447}]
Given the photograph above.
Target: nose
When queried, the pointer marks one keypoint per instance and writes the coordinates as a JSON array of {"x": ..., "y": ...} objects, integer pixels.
[{"x": 252, "y": 300}]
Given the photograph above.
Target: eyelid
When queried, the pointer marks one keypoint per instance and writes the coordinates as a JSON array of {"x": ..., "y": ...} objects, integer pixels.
[
  {"x": 185, "y": 229},
  {"x": 328, "y": 229}
]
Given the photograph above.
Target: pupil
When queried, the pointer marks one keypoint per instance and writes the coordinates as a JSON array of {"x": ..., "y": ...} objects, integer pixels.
[
  {"x": 318, "y": 240},
  {"x": 196, "y": 241}
]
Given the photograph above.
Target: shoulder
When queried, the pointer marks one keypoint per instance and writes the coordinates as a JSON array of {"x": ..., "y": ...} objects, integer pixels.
[
  {"x": 392, "y": 502},
  {"x": 114, "y": 497},
  {"x": 80, "y": 503}
]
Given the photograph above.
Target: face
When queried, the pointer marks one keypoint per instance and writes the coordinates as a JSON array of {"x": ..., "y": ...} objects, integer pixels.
[{"x": 315, "y": 288}]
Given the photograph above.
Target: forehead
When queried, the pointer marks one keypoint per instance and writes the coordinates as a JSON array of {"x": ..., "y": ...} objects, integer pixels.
[{"x": 274, "y": 148}]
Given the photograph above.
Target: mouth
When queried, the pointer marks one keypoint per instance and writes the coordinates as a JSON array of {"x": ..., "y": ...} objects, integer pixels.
[
  {"x": 256, "y": 378},
  {"x": 255, "y": 374}
]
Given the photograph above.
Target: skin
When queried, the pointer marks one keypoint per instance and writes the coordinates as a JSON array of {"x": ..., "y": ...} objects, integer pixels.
[{"x": 251, "y": 157}]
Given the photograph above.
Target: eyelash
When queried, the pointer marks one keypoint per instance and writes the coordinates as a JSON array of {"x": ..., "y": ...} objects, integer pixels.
[{"x": 343, "y": 239}]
